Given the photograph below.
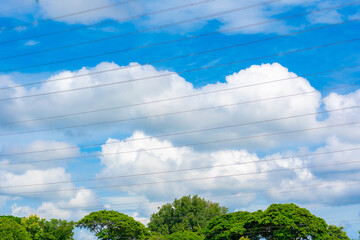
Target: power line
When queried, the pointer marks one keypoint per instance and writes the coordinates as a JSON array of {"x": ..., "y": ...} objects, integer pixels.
[
  {"x": 144, "y": 30},
  {"x": 190, "y": 180},
  {"x": 136, "y": 204},
  {"x": 182, "y": 39},
  {"x": 173, "y": 113},
  {"x": 198, "y": 94},
  {"x": 68, "y": 15},
  {"x": 264, "y": 22},
  {"x": 109, "y": 21},
  {"x": 187, "y": 169},
  {"x": 177, "y": 73},
  {"x": 186, "y": 145},
  {"x": 177, "y": 57}
]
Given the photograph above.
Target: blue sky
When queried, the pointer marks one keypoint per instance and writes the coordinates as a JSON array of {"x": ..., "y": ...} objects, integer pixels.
[{"x": 233, "y": 67}]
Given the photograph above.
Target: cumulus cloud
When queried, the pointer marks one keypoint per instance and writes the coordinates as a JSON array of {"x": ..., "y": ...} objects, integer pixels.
[
  {"x": 70, "y": 209},
  {"x": 238, "y": 183},
  {"x": 35, "y": 151},
  {"x": 85, "y": 235},
  {"x": 168, "y": 87},
  {"x": 144, "y": 150},
  {"x": 273, "y": 105},
  {"x": 36, "y": 179}
]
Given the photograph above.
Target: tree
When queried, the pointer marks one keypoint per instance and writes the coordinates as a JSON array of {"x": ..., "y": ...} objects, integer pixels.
[
  {"x": 40, "y": 229},
  {"x": 185, "y": 214},
  {"x": 11, "y": 230},
  {"x": 57, "y": 229},
  {"x": 288, "y": 221},
  {"x": 17, "y": 219},
  {"x": 32, "y": 225},
  {"x": 278, "y": 221},
  {"x": 185, "y": 235},
  {"x": 227, "y": 226},
  {"x": 113, "y": 225},
  {"x": 335, "y": 233}
]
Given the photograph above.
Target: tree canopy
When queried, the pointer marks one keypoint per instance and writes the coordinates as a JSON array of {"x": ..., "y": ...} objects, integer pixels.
[
  {"x": 227, "y": 226},
  {"x": 185, "y": 235},
  {"x": 278, "y": 221},
  {"x": 190, "y": 218},
  {"x": 336, "y": 233},
  {"x": 54, "y": 229},
  {"x": 113, "y": 225},
  {"x": 184, "y": 214},
  {"x": 11, "y": 230}
]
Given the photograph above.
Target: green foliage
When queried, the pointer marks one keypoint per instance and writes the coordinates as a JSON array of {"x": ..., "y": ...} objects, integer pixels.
[
  {"x": 17, "y": 219},
  {"x": 113, "y": 225},
  {"x": 33, "y": 225},
  {"x": 335, "y": 233},
  {"x": 185, "y": 235},
  {"x": 278, "y": 221},
  {"x": 288, "y": 221},
  {"x": 228, "y": 226},
  {"x": 58, "y": 229},
  {"x": 11, "y": 230},
  {"x": 185, "y": 214},
  {"x": 156, "y": 236},
  {"x": 40, "y": 229}
]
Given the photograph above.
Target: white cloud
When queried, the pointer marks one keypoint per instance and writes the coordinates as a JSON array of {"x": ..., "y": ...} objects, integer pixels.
[
  {"x": 185, "y": 157},
  {"x": 126, "y": 12},
  {"x": 37, "y": 150},
  {"x": 168, "y": 87},
  {"x": 171, "y": 86},
  {"x": 302, "y": 184},
  {"x": 85, "y": 235},
  {"x": 31, "y": 43},
  {"x": 36, "y": 180},
  {"x": 72, "y": 208}
]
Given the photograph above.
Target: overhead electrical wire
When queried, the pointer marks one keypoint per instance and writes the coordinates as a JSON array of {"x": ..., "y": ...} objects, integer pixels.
[
  {"x": 316, "y": 166},
  {"x": 109, "y": 21},
  {"x": 181, "y": 56},
  {"x": 177, "y": 73},
  {"x": 191, "y": 37},
  {"x": 144, "y": 30},
  {"x": 287, "y": 190},
  {"x": 186, "y": 169},
  {"x": 199, "y": 94},
  {"x": 70, "y": 15},
  {"x": 186, "y": 180},
  {"x": 173, "y": 113},
  {"x": 139, "y": 31},
  {"x": 183, "y": 145}
]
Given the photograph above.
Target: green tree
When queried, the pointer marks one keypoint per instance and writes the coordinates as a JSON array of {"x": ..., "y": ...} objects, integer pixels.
[
  {"x": 185, "y": 214},
  {"x": 17, "y": 219},
  {"x": 185, "y": 235},
  {"x": 156, "y": 236},
  {"x": 335, "y": 233},
  {"x": 40, "y": 229},
  {"x": 288, "y": 221},
  {"x": 57, "y": 229},
  {"x": 33, "y": 225},
  {"x": 227, "y": 226},
  {"x": 278, "y": 221},
  {"x": 11, "y": 230},
  {"x": 113, "y": 225}
]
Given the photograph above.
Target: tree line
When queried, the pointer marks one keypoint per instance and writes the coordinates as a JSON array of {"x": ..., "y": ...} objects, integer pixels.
[{"x": 190, "y": 218}]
